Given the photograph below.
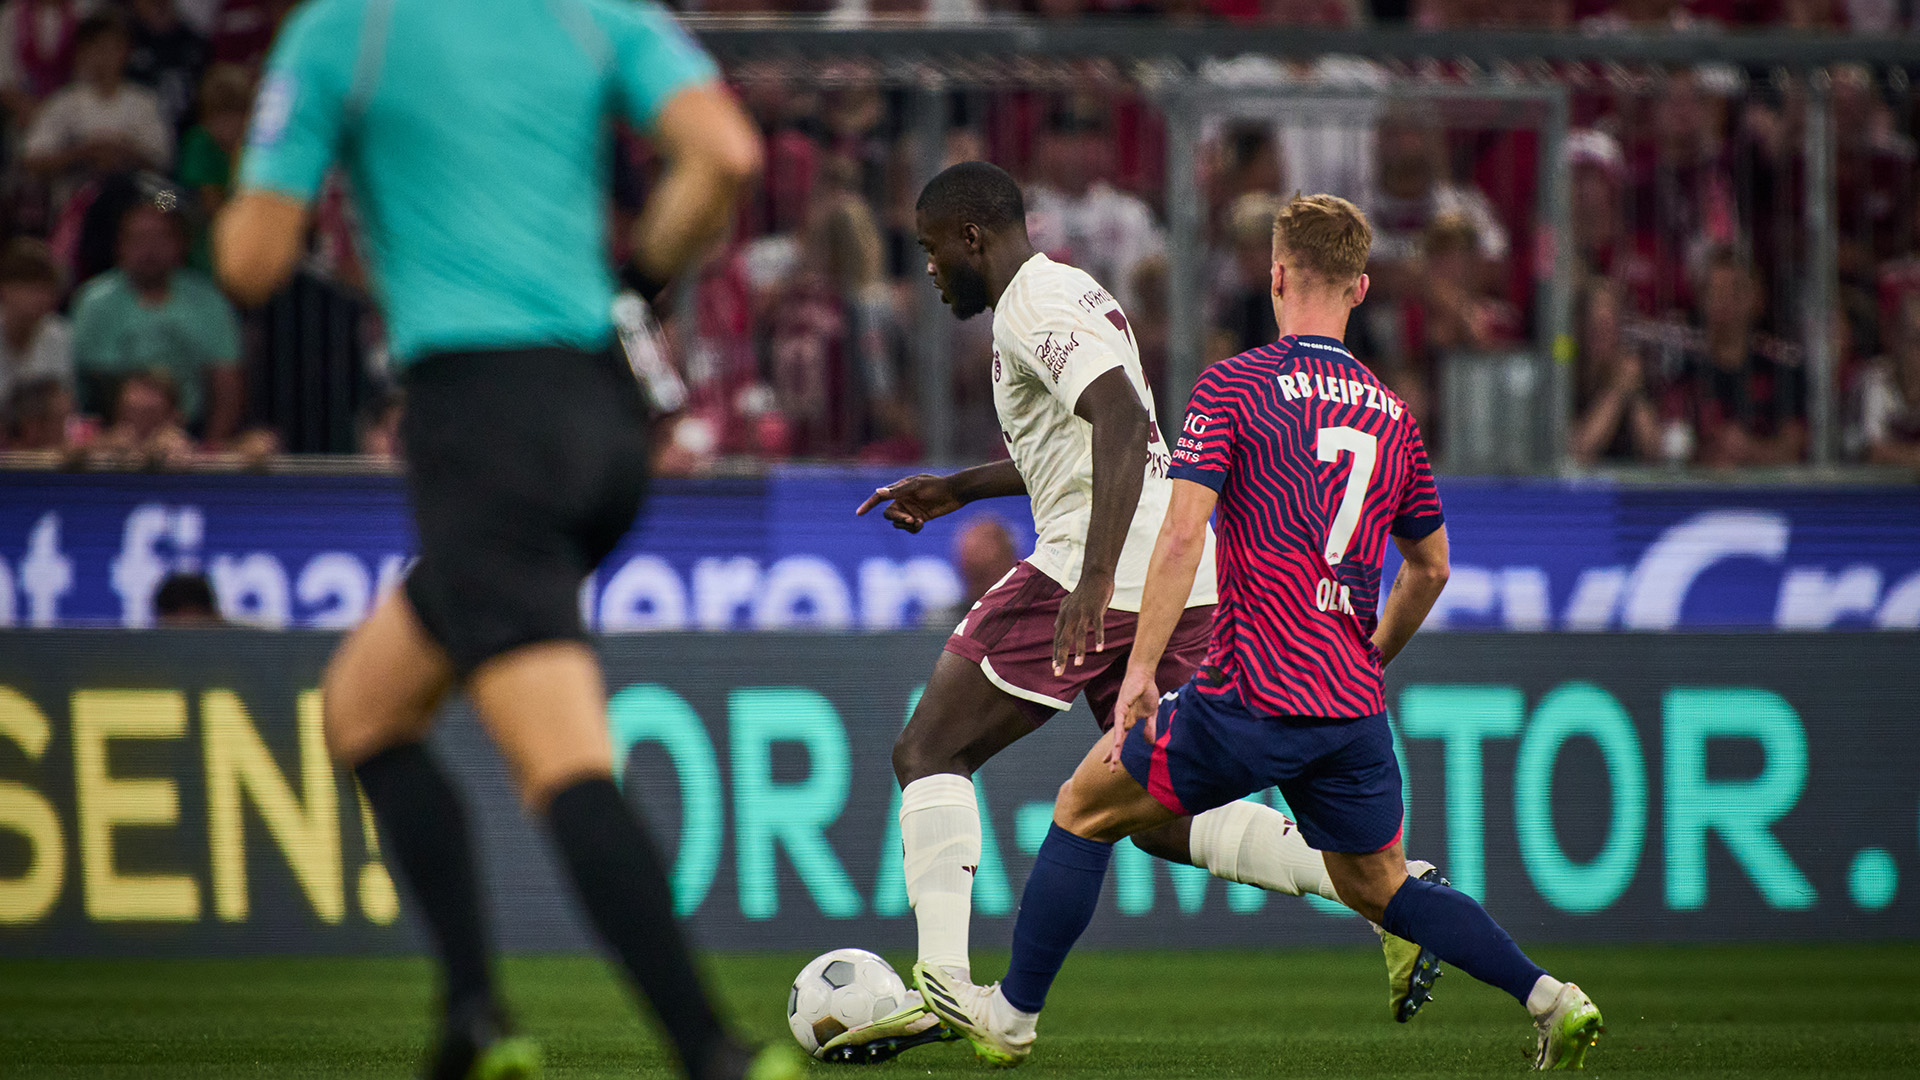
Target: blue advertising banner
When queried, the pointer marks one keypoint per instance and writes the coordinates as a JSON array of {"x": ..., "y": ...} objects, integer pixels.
[{"x": 785, "y": 552}]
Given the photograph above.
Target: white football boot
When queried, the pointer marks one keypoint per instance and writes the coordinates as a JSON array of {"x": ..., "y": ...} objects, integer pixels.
[{"x": 998, "y": 1034}]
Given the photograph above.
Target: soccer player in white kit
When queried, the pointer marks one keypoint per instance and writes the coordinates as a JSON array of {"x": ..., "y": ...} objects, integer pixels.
[{"x": 1077, "y": 417}]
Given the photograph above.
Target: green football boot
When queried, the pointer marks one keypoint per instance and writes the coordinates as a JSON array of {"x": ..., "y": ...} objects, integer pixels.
[{"x": 1567, "y": 1031}]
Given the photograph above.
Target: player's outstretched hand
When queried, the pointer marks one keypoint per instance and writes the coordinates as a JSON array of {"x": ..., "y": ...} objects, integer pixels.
[
  {"x": 915, "y": 501},
  {"x": 1083, "y": 614},
  {"x": 1139, "y": 700}
]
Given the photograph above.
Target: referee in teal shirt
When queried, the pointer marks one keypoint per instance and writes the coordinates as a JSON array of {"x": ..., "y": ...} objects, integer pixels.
[{"x": 475, "y": 135}]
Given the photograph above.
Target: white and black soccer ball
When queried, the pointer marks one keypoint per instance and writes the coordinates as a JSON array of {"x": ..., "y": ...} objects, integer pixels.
[{"x": 840, "y": 990}]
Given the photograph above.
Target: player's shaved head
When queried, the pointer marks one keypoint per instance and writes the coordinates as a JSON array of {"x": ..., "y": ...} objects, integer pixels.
[
  {"x": 972, "y": 223},
  {"x": 973, "y": 193},
  {"x": 1324, "y": 235}
]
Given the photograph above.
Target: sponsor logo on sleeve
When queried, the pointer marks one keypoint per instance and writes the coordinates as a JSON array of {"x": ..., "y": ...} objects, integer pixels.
[
  {"x": 272, "y": 110},
  {"x": 1053, "y": 352},
  {"x": 1192, "y": 443}
]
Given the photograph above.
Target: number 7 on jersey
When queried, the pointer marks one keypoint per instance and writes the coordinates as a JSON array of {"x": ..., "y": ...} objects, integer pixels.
[{"x": 1329, "y": 443}]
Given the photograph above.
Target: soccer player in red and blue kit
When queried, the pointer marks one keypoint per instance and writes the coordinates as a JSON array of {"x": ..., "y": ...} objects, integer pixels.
[{"x": 1311, "y": 464}]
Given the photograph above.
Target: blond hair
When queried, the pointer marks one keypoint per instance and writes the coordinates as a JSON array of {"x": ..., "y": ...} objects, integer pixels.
[{"x": 1326, "y": 236}]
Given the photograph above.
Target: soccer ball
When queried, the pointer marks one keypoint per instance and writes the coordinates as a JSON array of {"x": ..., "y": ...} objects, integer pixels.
[{"x": 839, "y": 990}]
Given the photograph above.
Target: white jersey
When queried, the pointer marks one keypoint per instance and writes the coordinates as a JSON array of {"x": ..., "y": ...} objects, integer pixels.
[{"x": 1055, "y": 331}]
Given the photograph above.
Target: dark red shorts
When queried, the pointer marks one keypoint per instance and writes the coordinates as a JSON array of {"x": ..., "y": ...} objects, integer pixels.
[{"x": 1009, "y": 633}]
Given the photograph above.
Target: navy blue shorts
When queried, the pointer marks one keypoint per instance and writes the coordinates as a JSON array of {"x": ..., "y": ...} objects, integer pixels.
[{"x": 1340, "y": 778}]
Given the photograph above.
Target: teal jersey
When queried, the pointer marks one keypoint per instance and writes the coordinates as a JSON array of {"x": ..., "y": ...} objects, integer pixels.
[{"x": 475, "y": 135}]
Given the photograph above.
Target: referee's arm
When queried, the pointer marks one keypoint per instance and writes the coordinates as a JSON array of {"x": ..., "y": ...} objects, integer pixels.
[
  {"x": 713, "y": 153},
  {"x": 292, "y": 141},
  {"x": 256, "y": 242}
]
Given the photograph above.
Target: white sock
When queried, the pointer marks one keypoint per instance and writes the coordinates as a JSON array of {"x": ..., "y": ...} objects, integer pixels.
[
  {"x": 940, "y": 840},
  {"x": 1546, "y": 990},
  {"x": 1016, "y": 1025},
  {"x": 1258, "y": 845}
]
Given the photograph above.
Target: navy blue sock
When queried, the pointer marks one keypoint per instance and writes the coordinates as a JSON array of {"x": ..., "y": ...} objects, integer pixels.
[
  {"x": 1055, "y": 909},
  {"x": 1460, "y": 931}
]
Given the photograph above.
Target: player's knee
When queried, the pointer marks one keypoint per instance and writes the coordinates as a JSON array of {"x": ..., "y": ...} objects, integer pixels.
[
  {"x": 1067, "y": 810},
  {"x": 1084, "y": 817},
  {"x": 1366, "y": 886},
  {"x": 1368, "y": 904},
  {"x": 350, "y": 738},
  {"x": 1172, "y": 842},
  {"x": 914, "y": 759},
  {"x": 358, "y": 719},
  {"x": 907, "y": 761}
]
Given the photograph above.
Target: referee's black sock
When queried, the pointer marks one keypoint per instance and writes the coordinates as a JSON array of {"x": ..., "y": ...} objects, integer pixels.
[
  {"x": 623, "y": 884},
  {"x": 426, "y": 832}
]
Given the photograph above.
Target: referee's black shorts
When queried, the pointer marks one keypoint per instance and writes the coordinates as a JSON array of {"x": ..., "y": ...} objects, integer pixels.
[{"x": 526, "y": 466}]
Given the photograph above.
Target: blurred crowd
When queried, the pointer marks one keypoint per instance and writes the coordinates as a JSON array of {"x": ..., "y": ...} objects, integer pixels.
[
  {"x": 122, "y": 124},
  {"x": 1858, "y": 16},
  {"x": 802, "y": 337}
]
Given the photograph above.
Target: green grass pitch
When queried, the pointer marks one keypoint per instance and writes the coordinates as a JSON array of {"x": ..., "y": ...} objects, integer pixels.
[{"x": 1748, "y": 1011}]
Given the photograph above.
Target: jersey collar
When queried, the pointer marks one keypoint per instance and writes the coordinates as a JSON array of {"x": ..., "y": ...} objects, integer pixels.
[{"x": 1326, "y": 347}]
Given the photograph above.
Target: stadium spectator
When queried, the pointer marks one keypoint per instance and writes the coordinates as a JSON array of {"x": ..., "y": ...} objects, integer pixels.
[
  {"x": 1249, "y": 164},
  {"x": 36, "y": 53},
  {"x": 144, "y": 428},
  {"x": 778, "y": 214},
  {"x": 1742, "y": 404},
  {"x": 1243, "y": 286},
  {"x": 39, "y": 418},
  {"x": 35, "y": 342},
  {"x": 834, "y": 343},
  {"x": 1452, "y": 308},
  {"x": 1873, "y": 173},
  {"x": 1598, "y": 172},
  {"x": 151, "y": 313},
  {"x": 1411, "y": 189},
  {"x": 100, "y": 124},
  {"x": 1457, "y": 308},
  {"x": 1073, "y": 213},
  {"x": 984, "y": 552},
  {"x": 186, "y": 599},
  {"x": 1615, "y": 418},
  {"x": 210, "y": 148},
  {"x": 853, "y": 114},
  {"x": 167, "y": 57},
  {"x": 1682, "y": 192},
  {"x": 1887, "y": 412},
  {"x": 1332, "y": 148},
  {"x": 1150, "y": 318}
]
